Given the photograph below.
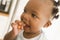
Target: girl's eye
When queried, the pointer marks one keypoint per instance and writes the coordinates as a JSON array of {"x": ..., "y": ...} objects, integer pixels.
[
  {"x": 25, "y": 11},
  {"x": 34, "y": 16}
]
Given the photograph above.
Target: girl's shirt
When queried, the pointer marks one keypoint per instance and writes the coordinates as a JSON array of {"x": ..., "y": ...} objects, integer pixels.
[{"x": 39, "y": 37}]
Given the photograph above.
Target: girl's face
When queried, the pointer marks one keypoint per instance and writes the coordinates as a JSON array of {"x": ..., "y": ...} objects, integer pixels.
[{"x": 36, "y": 14}]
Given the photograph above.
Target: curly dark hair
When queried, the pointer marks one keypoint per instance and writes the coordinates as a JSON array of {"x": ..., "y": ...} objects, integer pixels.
[{"x": 55, "y": 9}]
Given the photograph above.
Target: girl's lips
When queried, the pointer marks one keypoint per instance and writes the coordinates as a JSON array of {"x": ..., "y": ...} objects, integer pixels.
[{"x": 25, "y": 25}]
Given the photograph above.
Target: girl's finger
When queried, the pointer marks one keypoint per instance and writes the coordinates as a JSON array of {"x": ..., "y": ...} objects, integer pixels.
[
  {"x": 17, "y": 21},
  {"x": 14, "y": 25}
]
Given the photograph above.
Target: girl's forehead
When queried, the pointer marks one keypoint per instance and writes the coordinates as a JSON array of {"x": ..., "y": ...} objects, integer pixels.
[
  {"x": 42, "y": 6},
  {"x": 35, "y": 3},
  {"x": 39, "y": 4},
  {"x": 41, "y": 1}
]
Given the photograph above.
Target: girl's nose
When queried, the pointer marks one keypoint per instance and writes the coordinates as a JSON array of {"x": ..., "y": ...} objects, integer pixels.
[{"x": 25, "y": 17}]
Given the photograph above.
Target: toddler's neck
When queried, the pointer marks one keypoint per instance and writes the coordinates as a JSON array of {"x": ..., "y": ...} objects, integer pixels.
[{"x": 31, "y": 35}]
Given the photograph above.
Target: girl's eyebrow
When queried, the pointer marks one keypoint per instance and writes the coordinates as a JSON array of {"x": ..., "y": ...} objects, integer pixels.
[{"x": 35, "y": 12}]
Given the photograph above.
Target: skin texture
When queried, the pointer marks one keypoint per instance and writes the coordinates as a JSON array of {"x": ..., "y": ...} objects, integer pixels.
[{"x": 37, "y": 14}]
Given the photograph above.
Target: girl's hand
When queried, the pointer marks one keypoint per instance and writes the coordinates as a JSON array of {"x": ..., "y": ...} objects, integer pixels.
[{"x": 17, "y": 26}]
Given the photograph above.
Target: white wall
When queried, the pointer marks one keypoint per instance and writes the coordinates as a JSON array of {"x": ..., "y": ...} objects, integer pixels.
[{"x": 5, "y": 20}]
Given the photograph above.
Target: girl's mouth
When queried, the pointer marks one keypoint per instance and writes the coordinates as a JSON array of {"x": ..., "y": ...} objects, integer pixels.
[
  {"x": 25, "y": 24},
  {"x": 27, "y": 27}
]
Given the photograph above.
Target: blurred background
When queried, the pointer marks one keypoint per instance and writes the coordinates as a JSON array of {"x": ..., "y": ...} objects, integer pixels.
[{"x": 10, "y": 10}]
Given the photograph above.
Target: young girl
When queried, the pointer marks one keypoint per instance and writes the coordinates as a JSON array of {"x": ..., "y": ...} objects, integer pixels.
[{"x": 37, "y": 14}]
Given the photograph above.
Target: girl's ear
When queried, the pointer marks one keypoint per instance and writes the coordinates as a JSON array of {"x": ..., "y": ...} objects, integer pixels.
[{"x": 48, "y": 24}]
